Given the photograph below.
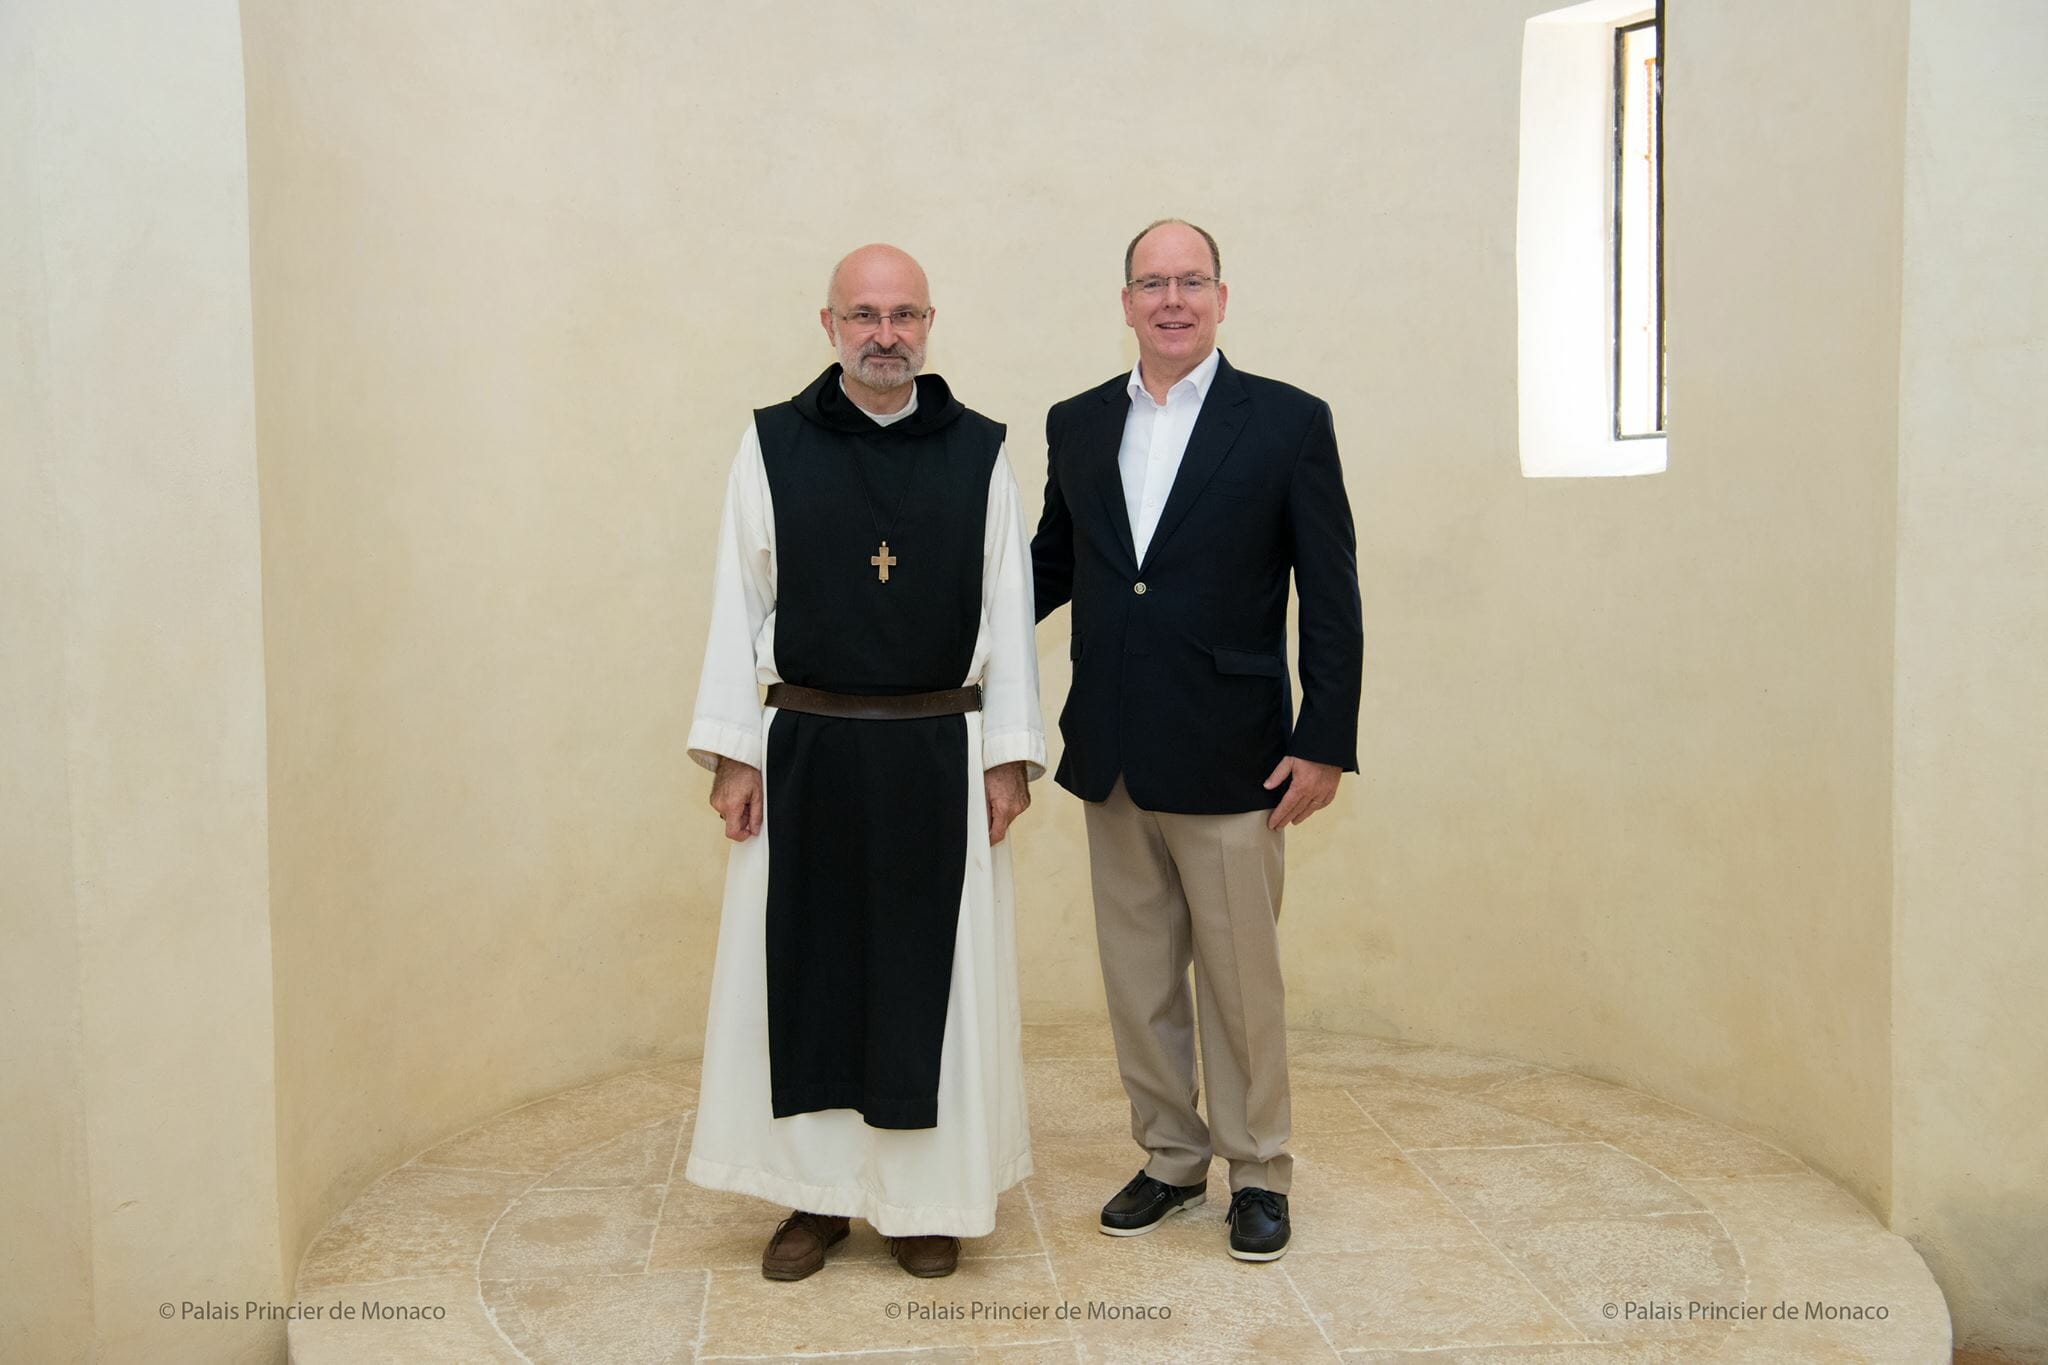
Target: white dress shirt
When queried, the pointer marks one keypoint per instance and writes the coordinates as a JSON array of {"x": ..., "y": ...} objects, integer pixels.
[{"x": 1155, "y": 438}]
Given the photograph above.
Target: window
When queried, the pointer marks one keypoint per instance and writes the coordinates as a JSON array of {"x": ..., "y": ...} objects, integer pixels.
[
  {"x": 1588, "y": 253},
  {"x": 1639, "y": 374}
]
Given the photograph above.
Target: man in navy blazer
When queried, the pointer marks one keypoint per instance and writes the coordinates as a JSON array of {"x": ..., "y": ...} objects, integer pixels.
[{"x": 1179, "y": 498}]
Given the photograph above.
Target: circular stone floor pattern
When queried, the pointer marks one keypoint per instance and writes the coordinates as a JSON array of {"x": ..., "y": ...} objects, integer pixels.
[{"x": 1472, "y": 1207}]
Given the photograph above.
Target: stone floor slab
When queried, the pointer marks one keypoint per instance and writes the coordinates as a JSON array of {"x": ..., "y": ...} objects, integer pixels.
[
  {"x": 868, "y": 1306},
  {"x": 640, "y": 1156},
  {"x": 1805, "y": 1242},
  {"x": 1568, "y": 1180},
  {"x": 1416, "y": 1116},
  {"x": 454, "y": 1328},
  {"x": 411, "y": 1222},
  {"x": 1447, "y": 1207},
  {"x": 1426, "y": 1297},
  {"x": 540, "y": 1136},
  {"x": 1669, "y": 1275},
  {"x": 1675, "y": 1140},
  {"x": 630, "y": 1319},
  {"x": 1673, "y": 1352},
  {"x": 572, "y": 1232}
]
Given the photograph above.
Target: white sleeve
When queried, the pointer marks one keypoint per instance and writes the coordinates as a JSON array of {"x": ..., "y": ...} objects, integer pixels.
[
  {"x": 1011, "y": 726},
  {"x": 727, "y": 720}
]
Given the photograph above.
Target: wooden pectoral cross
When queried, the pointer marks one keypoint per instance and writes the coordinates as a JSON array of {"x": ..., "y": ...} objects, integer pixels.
[{"x": 882, "y": 559}]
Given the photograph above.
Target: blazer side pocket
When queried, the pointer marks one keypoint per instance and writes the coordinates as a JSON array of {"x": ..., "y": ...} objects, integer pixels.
[{"x": 1245, "y": 662}]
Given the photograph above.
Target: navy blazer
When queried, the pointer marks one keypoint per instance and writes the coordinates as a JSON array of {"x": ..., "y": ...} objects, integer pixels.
[{"x": 1180, "y": 663}]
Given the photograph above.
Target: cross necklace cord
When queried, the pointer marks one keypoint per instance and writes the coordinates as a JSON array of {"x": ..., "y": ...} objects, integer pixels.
[{"x": 881, "y": 560}]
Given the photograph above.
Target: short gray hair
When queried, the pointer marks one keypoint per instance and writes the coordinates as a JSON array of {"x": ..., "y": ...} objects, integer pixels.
[{"x": 1215, "y": 256}]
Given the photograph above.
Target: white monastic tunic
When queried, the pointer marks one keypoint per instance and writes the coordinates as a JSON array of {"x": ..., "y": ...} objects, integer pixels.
[{"x": 940, "y": 1180}]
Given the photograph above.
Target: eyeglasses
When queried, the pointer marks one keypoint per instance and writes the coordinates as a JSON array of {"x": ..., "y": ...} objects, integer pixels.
[
  {"x": 867, "y": 319},
  {"x": 1191, "y": 286}
]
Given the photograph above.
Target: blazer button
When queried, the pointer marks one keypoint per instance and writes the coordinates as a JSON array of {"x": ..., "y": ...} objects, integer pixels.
[{"x": 1138, "y": 588}]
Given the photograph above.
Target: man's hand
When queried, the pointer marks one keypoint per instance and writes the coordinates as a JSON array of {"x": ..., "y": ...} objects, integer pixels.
[
  {"x": 736, "y": 796},
  {"x": 1009, "y": 793},
  {"x": 1310, "y": 787}
]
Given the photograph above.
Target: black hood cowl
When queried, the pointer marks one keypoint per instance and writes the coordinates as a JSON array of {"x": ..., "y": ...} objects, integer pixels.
[{"x": 823, "y": 403}]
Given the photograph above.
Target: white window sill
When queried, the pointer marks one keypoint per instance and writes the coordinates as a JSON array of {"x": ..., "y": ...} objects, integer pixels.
[{"x": 1593, "y": 459}]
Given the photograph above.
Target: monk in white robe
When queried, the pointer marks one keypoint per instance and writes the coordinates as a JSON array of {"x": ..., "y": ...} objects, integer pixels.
[{"x": 862, "y": 1054}]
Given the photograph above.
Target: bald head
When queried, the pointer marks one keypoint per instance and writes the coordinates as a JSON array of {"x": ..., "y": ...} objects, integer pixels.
[
  {"x": 1215, "y": 256},
  {"x": 877, "y": 276},
  {"x": 877, "y": 312}
]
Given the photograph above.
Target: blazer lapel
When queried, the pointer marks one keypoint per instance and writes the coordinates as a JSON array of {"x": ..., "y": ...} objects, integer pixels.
[
  {"x": 1102, "y": 442},
  {"x": 1223, "y": 416}
]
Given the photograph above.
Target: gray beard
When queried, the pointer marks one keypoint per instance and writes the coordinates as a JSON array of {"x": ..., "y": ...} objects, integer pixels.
[{"x": 882, "y": 377}]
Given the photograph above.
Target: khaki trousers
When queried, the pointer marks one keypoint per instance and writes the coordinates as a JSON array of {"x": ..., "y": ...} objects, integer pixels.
[{"x": 1176, "y": 889}]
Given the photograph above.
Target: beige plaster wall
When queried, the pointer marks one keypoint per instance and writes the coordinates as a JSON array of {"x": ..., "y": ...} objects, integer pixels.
[
  {"x": 482, "y": 503},
  {"x": 46, "y": 1249},
  {"x": 1628, "y": 740},
  {"x": 1971, "y": 1058},
  {"x": 147, "y": 1149},
  {"x": 1627, "y": 743}
]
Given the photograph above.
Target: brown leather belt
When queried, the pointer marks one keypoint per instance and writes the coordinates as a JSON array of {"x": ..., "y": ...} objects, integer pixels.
[{"x": 953, "y": 701}]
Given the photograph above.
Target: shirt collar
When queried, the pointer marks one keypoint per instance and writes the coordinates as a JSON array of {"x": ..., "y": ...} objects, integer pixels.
[
  {"x": 885, "y": 419},
  {"x": 1196, "y": 380}
]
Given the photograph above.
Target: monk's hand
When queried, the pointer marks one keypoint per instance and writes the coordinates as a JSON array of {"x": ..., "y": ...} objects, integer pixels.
[
  {"x": 1009, "y": 792},
  {"x": 736, "y": 796},
  {"x": 1310, "y": 787}
]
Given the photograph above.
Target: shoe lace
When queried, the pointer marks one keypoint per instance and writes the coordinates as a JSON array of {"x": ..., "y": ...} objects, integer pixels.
[
  {"x": 1136, "y": 1183},
  {"x": 1268, "y": 1202},
  {"x": 811, "y": 1222}
]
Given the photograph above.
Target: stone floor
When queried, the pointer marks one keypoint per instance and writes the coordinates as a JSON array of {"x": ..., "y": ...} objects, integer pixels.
[{"x": 1447, "y": 1207}]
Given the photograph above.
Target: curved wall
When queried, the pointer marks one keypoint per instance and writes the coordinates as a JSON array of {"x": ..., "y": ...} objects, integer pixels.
[
  {"x": 1972, "y": 810},
  {"x": 1626, "y": 743},
  {"x": 137, "y": 1114}
]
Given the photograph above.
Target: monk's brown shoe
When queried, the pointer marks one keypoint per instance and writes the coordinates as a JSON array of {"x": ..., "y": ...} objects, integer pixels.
[
  {"x": 926, "y": 1257},
  {"x": 798, "y": 1247}
]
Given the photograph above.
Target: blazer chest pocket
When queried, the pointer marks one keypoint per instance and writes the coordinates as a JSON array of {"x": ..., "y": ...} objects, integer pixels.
[{"x": 1249, "y": 663}]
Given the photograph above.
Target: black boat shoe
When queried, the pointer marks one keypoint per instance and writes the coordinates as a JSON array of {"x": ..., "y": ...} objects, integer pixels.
[
  {"x": 1258, "y": 1225},
  {"x": 1141, "y": 1205}
]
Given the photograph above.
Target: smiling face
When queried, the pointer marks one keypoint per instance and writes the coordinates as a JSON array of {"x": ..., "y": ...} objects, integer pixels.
[{"x": 1175, "y": 331}]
